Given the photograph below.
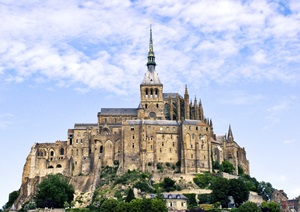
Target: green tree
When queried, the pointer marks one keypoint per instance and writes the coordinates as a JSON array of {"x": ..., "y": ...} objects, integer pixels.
[
  {"x": 192, "y": 203},
  {"x": 12, "y": 197},
  {"x": 265, "y": 189},
  {"x": 146, "y": 205},
  {"x": 158, "y": 205},
  {"x": 108, "y": 205},
  {"x": 270, "y": 207},
  {"x": 204, "y": 180},
  {"x": 54, "y": 191},
  {"x": 227, "y": 167},
  {"x": 136, "y": 205},
  {"x": 249, "y": 206},
  {"x": 220, "y": 189},
  {"x": 122, "y": 207},
  {"x": 130, "y": 195},
  {"x": 239, "y": 191},
  {"x": 168, "y": 184}
]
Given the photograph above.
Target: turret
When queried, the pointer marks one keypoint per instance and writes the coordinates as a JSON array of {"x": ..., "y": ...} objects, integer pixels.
[
  {"x": 186, "y": 104},
  {"x": 230, "y": 135}
]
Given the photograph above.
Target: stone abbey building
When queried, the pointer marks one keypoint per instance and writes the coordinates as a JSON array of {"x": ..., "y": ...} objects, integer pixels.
[{"x": 164, "y": 128}]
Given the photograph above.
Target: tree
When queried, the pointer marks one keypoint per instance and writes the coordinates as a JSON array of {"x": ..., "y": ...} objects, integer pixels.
[
  {"x": 136, "y": 205},
  {"x": 123, "y": 207},
  {"x": 54, "y": 191},
  {"x": 192, "y": 203},
  {"x": 130, "y": 195},
  {"x": 168, "y": 184},
  {"x": 11, "y": 199},
  {"x": 270, "y": 207},
  {"x": 108, "y": 205},
  {"x": 158, "y": 205},
  {"x": 219, "y": 193},
  {"x": 249, "y": 206},
  {"x": 146, "y": 205},
  {"x": 239, "y": 191},
  {"x": 227, "y": 167},
  {"x": 265, "y": 189}
]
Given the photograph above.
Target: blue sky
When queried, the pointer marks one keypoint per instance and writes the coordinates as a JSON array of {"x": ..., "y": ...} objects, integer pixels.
[{"x": 61, "y": 61}]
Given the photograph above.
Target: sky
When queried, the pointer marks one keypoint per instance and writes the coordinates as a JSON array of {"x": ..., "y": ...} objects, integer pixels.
[{"x": 62, "y": 61}]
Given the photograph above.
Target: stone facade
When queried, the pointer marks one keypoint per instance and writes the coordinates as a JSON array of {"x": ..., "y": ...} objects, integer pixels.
[{"x": 165, "y": 128}]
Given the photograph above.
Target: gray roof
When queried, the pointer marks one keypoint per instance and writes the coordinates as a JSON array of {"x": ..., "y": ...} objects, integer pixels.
[
  {"x": 153, "y": 122},
  {"x": 171, "y": 196},
  {"x": 151, "y": 77},
  {"x": 193, "y": 122},
  {"x": 173, "y": 95},
  {"x": 83, "y": 126},
  {"x": 119, "y": 111}
]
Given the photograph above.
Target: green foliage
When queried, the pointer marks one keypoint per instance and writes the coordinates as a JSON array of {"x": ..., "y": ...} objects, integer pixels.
[
  {"x": 240, "y": 171},
  {"x": 109, "y": 205},
  {"x": 131, "y": 176},
  {"x": 159, "y": 166},
  {"x": 143, "y": 186},
  {"x": 54, "y": 191},
  {"x": 146, "y": 205},
  {"x": 168, "y": 164},
  {"x": 168, "y": 184},
  {"x": 216, "y": 164},
  {"x": 12, "y": 197},
  {"x": 158, "y": 205},
  {"x": 227, "y": 167},
  {"x": 29, "y": 206},
  {"x": 192, "y": 203},
  {"x": 249, "y": 206},
  {"x": 238, "y": 190},
  {"x": 130, "y": 195},
  {"x": 270, "y": 207},
  {"x": 79, "y": 210},
  {"x": 204, "y": 180},
  {"x": 204, "y": 198},
  {"x": 136, "y": 205},
  {"x": 265, "y": 189},
  {"x": 220, "y": 189},
  {"x": 122, "y": 207},
  {"x": 251, "y": 183}
]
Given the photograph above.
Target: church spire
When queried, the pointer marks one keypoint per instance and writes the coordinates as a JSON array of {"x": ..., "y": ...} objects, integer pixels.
[{"x": 151, "y": 57}]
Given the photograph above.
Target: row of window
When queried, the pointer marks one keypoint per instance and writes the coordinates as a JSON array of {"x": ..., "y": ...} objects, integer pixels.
[
  {"x": 43, "y": 152},
  {"x": 57, "y": 166}
]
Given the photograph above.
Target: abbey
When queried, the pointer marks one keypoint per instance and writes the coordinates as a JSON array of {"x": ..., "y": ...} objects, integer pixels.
[{"x": 164, "y": 128}]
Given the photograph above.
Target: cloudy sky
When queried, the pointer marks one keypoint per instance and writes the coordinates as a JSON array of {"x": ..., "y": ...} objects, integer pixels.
[{"x": 61, "y": 61}]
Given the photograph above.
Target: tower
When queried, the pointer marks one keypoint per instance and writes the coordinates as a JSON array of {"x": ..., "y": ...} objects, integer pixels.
[{"x": 151, "y": 89}]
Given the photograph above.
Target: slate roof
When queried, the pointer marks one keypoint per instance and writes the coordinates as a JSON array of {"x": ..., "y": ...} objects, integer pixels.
[
  {"x": 171, "y": 196},
  {"x": 193, "y": 122},
  {"x": 173, "y": 95},
  {"x": 119, "y": 111},
  {"x": 151, "y": 77},
  {"x": 83, "y": 126},
  {"x": 154, "y": 122}
]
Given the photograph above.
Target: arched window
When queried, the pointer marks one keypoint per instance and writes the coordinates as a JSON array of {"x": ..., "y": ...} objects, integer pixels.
[
  {"x": 51, "y": 153},
  {"x": 50, "y": 167},
  {"x": 62, "y": 151},
  {"x": 101, "y": 149},
  {"x": 58, "y": 166}
]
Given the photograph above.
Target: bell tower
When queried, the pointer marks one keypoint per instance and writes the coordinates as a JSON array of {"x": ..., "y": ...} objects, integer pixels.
[{"x": 151, "y": 89}]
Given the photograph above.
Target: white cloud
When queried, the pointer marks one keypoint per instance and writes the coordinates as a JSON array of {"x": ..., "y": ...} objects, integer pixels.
[{"x": 101, "y": 45}]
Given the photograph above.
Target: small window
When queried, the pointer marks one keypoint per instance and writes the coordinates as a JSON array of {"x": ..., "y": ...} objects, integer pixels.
[
  {"x": 101, "y": 149},
  {"x": 132, "y": 145},
  {"x": 132, "y": 128},
  {"x": 157, "y": 105},
  {"x": 162, "y": 143},
  {"x": 132, "y": 136},
  {"x": 196, "y": 128},
  {"x": 51, "y": 153},
  {"x": 173, "y": 143},
  {"x": 146, "y": 106}
]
